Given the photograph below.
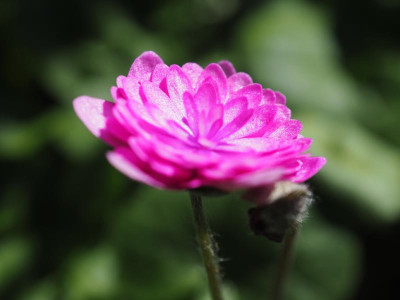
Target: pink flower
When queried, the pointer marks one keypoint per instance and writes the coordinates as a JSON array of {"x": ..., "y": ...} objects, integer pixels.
[{"x": 187, "y": 127}]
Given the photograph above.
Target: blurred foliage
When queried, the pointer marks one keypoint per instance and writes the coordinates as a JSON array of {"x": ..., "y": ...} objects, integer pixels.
[{"x": 73, "y": 228}]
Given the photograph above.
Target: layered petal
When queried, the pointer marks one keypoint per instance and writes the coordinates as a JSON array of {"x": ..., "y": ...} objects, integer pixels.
[
  {"x": 186, "y": 127},
  {"x": 143, "y": 66},
  {"x": 97, "y": 115}
]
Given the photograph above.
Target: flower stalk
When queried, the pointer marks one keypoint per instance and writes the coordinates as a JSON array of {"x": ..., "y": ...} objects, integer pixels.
[
  {"x": 207, "y": 246},
  {"x": 284, "y": 263}
]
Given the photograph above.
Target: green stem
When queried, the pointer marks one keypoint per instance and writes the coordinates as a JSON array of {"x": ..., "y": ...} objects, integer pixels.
[
  {"x": 284, "y": 264},
  {"x": 207, "y": 248}
]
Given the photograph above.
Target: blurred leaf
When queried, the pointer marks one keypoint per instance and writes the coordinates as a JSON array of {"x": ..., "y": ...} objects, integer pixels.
[
  {"x": 92, "y": 275},
  {"x": 44, "y": 290},
  {"x": 154, "y": 233},
  {"x": 89, "y": 69},
  {"x": 326, "y": 266},
  {"x": 61, "y": 125},
  {"x": 15, "y": 254},
  {"x": 359, "y": 165},
  {"x": 289, "y": 46},
  {"x": 18, "y": 141},
  {"x": 13, "y": 206},
  {"x": 327, "y": 263}
]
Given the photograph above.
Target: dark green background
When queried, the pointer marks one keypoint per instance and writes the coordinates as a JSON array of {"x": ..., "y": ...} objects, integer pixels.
[{"x": 73, "y": 228}]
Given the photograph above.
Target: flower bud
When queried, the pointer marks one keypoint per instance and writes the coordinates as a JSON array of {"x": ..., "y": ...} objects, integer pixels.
[{"x": 279, "y": 208}]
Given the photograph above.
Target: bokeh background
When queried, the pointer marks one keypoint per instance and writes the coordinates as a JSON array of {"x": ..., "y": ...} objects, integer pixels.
[{"x": 73, "y": 228}]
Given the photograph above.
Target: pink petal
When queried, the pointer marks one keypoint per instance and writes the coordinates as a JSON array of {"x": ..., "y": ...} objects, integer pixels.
[
  {"x": 97, "y": 116},
  {"x": 258, "y": 123},
  {"x": 235, "y": 124},
  {"x": 131, "y": 88},
  {"x": 215, "y": 127},
  {"x": 159, "y": 99},
  {"x": 253, "y": 93},
  {"x": 193, "y": 72},
  {"x": 124, "y": 161},
  {"x": 259, "y": 144},
  {"x": 118, "y": 93},
  {"x": 288, "y": 130},
  {"x": 192, "y": 114},
  {"x": 310, "y": 166},
  {"x": 233, "y": 108},
  {"x": 268, "y": 97},
  {"x": 123, "y": 115},
  {"x": 159, "y": 73},
  {"x": 144, "y": 65},
  {"x": 280, "y": 98},
  {"x": 215, "y": 72},
  {"x": 214, "y": 120},
  {"x": 238, "y": 80},
  {"x": 205, "y": 98},
  {"x": 251, "y": 179},
  {"x": 119, "y": 80},
  {"x": 164, "y": 170},
  {"x": 177, "y": 84},
  {"x": 228, "y": 67}
]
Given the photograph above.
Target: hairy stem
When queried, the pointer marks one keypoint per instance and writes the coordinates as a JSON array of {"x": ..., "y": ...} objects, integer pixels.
[{"x": 207, "y": 247}]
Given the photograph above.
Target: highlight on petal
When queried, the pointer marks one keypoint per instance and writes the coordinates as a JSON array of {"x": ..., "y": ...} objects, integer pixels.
[
  {"x": 97, "y": 116},
  {"x": 253, "y": 93},
  {"x": 156, "y": 97},
  {"x": 233, "y": 108},
  {"x": 258, "y": 124},
  {"x": 288, "y": 130},
  {"x": 93, "y": 112},
  {"x": 159, "y": 73},
  {"x": 238, "y": 80},
  {"x": 193, "y": 72},
  {"x": 205, "y": 98},
  {"x": 177, "y": 84},
  {"x": 144, "y": 65}
]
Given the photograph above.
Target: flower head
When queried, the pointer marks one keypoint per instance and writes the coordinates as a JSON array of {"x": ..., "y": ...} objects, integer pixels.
[{"x": 187, "y": 127}]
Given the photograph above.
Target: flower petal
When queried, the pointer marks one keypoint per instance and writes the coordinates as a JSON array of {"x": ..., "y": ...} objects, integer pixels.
[
  {"x": 238, "y": 80},
  {"x": 192, "y": 114},
  {"x": 268, "y": 97},
  {"x": 217, "y": 74},
  {"x": 310, "y": 166},
  {"x": 97, "y": 116},
  {"x": 144, "y": 65},
  {"x": 131, "y": 87},
  {"x": 288, "y": 130},
  {"x": 193, "y": 72},
  {"x": 205, "y": 98},
  {"x": 280, "y": 98},
  {"x": 233, "y": 108},
  {"x": 159, "y": 73},
  {"x": 228, "y": 67},
  {"x": 124, "y": 160},
  {"x": 177, "y": 84},
  {"x": 235, "y": 124},
  {"x": 155, "y": 96},
  {"x": 258, "y": 123},
  {"x": 252, "y": 92}
]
